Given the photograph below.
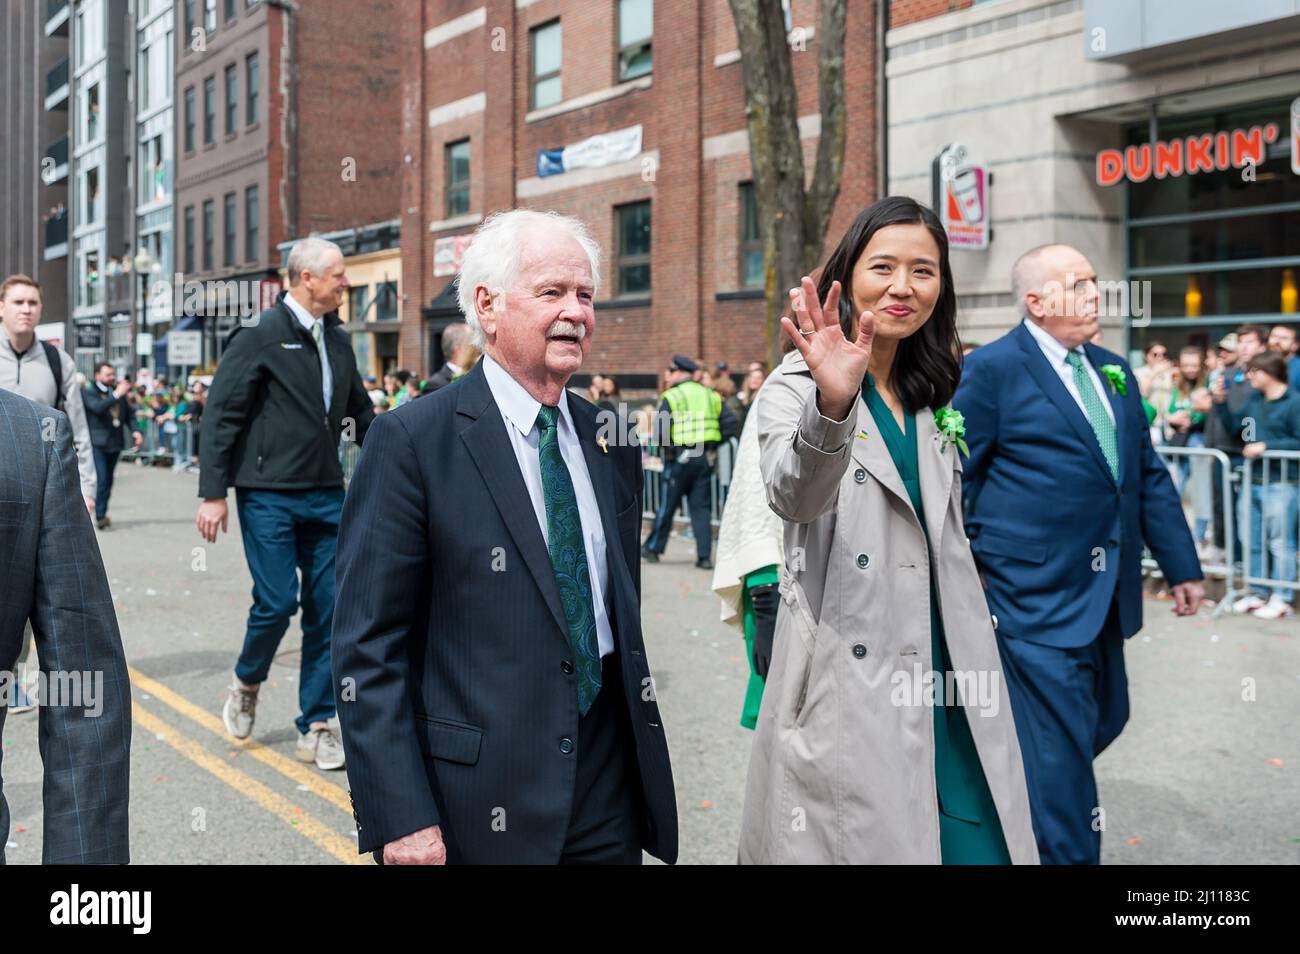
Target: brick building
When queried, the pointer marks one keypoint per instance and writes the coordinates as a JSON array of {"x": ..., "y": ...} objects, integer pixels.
[
  {"x": 286, "y": 118},
  {"x": 487, "y": 86}
]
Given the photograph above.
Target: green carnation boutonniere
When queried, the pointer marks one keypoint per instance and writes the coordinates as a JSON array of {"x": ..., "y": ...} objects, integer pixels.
[
  {"x": 1117, "y": 378},
  {"x": 952, "y": 427}
]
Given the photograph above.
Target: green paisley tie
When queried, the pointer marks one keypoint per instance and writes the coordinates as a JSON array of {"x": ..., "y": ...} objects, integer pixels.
[
  {"x": 1101, "y": 423},
  {"x": 569, "y": 557}
]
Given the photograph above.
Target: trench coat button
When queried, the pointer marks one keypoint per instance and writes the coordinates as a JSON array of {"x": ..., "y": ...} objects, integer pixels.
[
  {"x": 860, "y": 475},
  {"x": 566, "y": 746},
  {"x": 995, "y": 621},
  {"x": 864, "y": 560},
  {"x": 566, "y": 667},
  {"x": 859, "y": 650}
]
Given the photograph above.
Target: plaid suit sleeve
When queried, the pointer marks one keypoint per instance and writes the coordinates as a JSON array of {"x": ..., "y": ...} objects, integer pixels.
[{"x": 85, "y": 736}]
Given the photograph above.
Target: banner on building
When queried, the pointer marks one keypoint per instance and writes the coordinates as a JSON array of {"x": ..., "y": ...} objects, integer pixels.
[
  {"x": 448, "y": 252},
  {"x": 960, "y": 190},
  {"x": 604, "y": 149},
  {"x": 1295, "y": 135}
]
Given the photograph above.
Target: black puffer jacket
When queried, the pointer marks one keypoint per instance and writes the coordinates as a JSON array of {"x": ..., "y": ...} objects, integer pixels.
[{"x": 264, "y": 424}]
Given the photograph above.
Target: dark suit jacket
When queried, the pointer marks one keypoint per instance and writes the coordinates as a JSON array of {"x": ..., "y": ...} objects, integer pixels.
[
  {"x": 51, "y": 573},
  {"x": 1055, "y": 536},
  {"x": 439, "y": 380},
  {"x": 449, "y": 637},
  {"x": 99, "y": 417}
]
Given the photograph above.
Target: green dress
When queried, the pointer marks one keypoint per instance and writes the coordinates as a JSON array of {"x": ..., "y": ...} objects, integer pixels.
[
  {"x": 969, "y": 830},
  {"x": 754, "y": 688}
]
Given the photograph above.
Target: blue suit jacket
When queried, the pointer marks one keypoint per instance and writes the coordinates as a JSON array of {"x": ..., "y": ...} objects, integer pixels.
[{"x": 1055, "y": 536}]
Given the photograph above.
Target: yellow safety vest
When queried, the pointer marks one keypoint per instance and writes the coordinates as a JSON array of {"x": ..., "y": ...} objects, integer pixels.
[{"x": 695, "y": 411}]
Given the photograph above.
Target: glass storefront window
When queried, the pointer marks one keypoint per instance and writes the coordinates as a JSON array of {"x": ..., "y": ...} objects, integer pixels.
[{"x": 1268, "y": 183}]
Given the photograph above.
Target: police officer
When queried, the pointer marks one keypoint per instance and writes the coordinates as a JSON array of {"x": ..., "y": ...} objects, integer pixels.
[{"x": 697, "y": 422}]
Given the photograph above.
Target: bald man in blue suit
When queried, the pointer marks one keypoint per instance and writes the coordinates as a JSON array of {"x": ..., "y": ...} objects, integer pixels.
[{"x": 1062, "y": 488}]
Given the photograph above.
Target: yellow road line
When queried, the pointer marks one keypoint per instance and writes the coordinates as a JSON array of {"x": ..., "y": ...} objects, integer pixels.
[
  {"x": 320, "y": 835},
  {"x": 292, "y": 768}
]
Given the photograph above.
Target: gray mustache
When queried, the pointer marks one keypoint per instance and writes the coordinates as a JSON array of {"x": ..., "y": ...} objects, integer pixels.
[{"x": 567, "y": 329}]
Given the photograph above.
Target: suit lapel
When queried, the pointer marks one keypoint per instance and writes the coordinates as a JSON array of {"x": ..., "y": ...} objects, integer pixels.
[
  {"x": 936, "y": 475},
  {"x": 870, "y": 451},
  {"x": 1041, "y": 370},
  {"x": 484, "y": 432}
]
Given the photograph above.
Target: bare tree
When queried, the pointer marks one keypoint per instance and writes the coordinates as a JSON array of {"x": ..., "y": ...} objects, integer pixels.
[{"x": 793, "y": 218}]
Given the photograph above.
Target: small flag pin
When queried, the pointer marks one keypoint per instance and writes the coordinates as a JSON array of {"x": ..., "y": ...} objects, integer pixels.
[{"x": 604, "y": 445}]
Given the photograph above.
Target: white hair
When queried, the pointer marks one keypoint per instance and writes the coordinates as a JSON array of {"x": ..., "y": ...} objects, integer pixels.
[
  {"x": 492, "y": 259},
  {"x": 310, "y": 255}
]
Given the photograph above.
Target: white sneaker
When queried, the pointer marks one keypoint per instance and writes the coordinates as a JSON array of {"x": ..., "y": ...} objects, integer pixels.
[
  {"x": 1213, "y": 555},
  {"x": 1247, "y": 604},
  {"x": 1275, "y": 608},
  {"x": 322, "y": 745},
  {"x": 239, "y": 711}
]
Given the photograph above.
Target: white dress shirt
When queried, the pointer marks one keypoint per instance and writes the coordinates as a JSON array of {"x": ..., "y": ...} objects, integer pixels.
[
  {"x": 1054, "y": 352},
  {"x": 307, "y": 319},
  {"x": 519, "y": 412}
]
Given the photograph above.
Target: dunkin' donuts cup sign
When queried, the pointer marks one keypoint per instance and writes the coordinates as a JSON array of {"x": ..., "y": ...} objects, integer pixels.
[{"x": 961, "y": 197}]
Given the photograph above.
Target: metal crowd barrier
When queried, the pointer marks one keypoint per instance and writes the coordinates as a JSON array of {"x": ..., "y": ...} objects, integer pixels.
[
  {"x": 652, "y": 494},
  {"x": 1268, "y": 517},
  {"x": 1202, "y": 463},
  {"x": 162, "y": 446}
]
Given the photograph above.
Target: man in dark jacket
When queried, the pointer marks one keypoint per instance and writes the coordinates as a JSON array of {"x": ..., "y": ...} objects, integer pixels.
[
  {"x": 52, "y": 575},
  {"x": 286, "y": 392},
  {"x": 109, "y": 416}
]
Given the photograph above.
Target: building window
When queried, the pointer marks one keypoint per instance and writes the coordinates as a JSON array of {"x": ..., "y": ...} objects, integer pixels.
[
  {"x": 189, "y": 238},
  {"x": 153, "y": 171},
  {"x": 1214, "y": 247},
  {"x": 751, "y": 238},
  {"x": 250, "y": 89},
  {"x": 229, "y": 224},
  {"x": 189, "y": 119},
  {"x": 92, "y": 113},
  {"x": 209, "y": 109},
  {"x": 386, "y": 301},
  {"x": 209, "y": 226},
  {"x": 232, "y": 10},
  {"x": 90, "y": 286},
  {"x": 209, "y": 15},
  {"x": 633, "y": 231},
  {"x": 547, "y": 52},
  {"x": 358, "y": 302},
  {"x": 232, "y": 100},
  {"x": 457, "y": 178},
  {"x": 251, "y": 222},
  {"x": 92, "y": 196},
  {"x": 144, "y": 79},
  {"x": 635, "y": 29},
  {"x": 189, "y": 22}
]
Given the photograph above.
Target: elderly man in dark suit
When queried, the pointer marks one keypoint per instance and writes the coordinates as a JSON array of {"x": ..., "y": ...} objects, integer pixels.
[
  {"x": 51, "y": 573},
  {"x": 493, "y": 685}
]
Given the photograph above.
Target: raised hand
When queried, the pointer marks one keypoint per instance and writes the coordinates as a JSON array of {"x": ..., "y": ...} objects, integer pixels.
[{"x": 838, "y": 365}]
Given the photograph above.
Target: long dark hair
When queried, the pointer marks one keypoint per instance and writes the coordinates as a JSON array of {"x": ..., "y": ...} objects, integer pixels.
[{"x": 927, "y": 366}]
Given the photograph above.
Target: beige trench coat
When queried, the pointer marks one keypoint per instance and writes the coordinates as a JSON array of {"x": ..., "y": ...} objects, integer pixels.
[{"x": 842, "y": 767}]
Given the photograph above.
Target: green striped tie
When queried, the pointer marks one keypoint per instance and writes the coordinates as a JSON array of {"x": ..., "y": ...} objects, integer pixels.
[{"x": 1101, "y": 423}]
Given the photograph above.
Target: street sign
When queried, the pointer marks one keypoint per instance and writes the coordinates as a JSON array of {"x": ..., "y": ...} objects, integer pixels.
[
  {"x": 143, "y": 344},
  {"x": 185, "y": 348},
  {"x": 961, "y": 198}
]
